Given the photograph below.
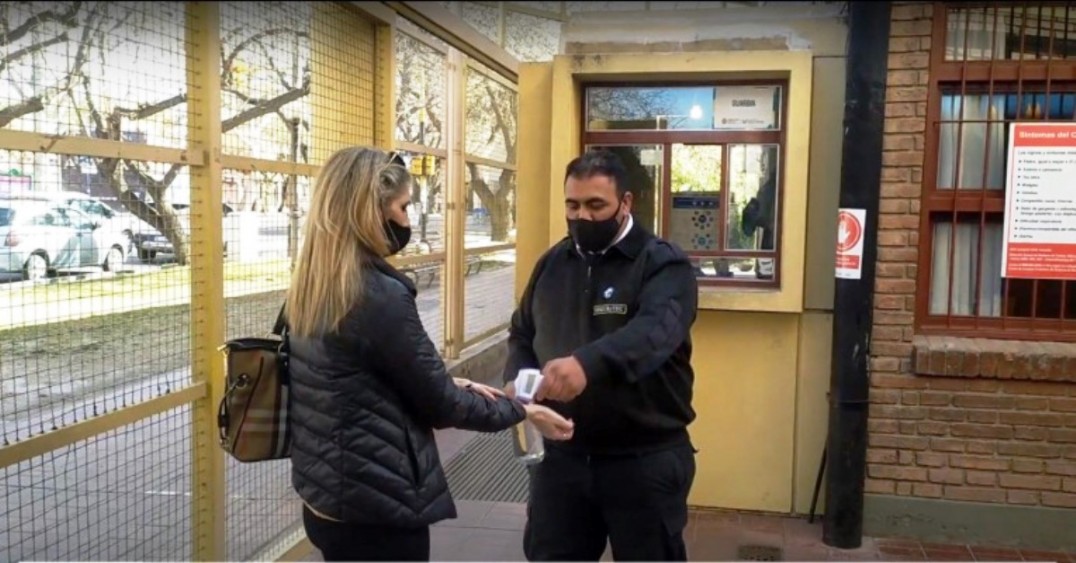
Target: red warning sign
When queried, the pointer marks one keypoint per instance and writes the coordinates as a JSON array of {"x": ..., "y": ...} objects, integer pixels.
[{"x": 850, "y": 243}]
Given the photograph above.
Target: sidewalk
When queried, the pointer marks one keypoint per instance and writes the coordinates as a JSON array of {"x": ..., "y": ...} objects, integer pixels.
[
  {"x": 487, "y": 531},
  {"x": 494, "y": 532}
]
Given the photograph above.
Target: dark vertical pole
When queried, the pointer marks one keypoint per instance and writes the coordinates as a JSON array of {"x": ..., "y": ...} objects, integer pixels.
[{"x": 864, "y": 110}]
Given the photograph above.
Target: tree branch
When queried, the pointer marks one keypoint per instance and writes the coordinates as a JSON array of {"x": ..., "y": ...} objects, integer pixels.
[
  {"x": 157, "y": 188},
  {"x": 10, "y": 58},
  {"x": 25, "y": 107},
  {"x": 265, "y": 107},
  {"x": 68, "y": 19},
  {"x": 37, "y": 103},
  {"x": 229, "y": 60},
  {"x": 280, "y": 74},
  {"x": 501, "y": 124},
  {"x": 479, "y": 184},
  {"x": 148, "y": 110}
]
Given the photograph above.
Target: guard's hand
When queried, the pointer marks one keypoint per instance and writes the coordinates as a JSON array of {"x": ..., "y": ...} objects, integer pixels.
[{"x": 563, "y": 379}]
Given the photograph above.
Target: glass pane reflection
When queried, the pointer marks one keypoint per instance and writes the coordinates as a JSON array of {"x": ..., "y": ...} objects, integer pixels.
[
  {"x": 752, "y": 209},
  {"x": 739, "y": 269}
]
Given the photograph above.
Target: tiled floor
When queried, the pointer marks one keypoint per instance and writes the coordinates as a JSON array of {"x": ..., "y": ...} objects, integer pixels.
[{"x": 486, "y": 531}]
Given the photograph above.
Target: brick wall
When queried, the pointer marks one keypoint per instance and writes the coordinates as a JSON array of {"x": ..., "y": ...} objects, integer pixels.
[{"x": 1003, "y": 436}]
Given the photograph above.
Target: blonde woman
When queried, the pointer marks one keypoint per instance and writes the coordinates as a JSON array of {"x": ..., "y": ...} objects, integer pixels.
[{"x": 367, "y": 385}]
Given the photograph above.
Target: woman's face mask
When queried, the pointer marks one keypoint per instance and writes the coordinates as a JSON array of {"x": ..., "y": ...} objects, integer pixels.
[{"x": 397, "y": 235}]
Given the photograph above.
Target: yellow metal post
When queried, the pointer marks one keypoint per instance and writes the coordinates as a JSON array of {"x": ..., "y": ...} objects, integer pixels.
[
  {"x": 454, "y": 208},
  {"x": 208, "y": 479},
  {"x": 385, "y": 85}
]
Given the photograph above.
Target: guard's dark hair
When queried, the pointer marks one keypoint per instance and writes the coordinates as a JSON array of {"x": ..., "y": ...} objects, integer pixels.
[{"x": 599, "y": 162}]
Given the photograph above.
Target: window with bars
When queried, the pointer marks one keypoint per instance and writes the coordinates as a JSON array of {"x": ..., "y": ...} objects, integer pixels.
[{"x": 1000, "y": 63}]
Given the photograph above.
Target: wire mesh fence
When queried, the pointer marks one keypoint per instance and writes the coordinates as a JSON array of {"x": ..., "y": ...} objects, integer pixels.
[
  {"x": 103, "y": 261},
  {"x": 488, "y": 292},
  {"x": 124, "y": 494},
  {"x": 490, "y": 134},
  {"x": 87, "y": 327},
  {"x": 297, "y": 83}
]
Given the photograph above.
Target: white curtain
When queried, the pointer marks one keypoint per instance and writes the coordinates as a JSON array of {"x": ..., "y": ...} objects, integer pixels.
[
  {"x": 965, "y": 245},
  {"x": 978, "y": 29},
  {"x": 973, "y": 143}
]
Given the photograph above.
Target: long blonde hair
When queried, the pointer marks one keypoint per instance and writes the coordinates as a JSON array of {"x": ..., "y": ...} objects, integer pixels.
[{"x": 344, "y": 228}]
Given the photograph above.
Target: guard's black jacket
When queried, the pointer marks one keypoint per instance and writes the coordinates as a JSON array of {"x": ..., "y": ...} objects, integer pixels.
[{"x": 626, "y": 315}]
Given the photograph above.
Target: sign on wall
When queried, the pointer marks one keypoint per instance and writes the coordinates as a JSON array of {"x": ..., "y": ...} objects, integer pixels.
[
  {"x": 746, "y": 108},
  {"x": 1040, "y": 202},
  {"x": 850, "y": 223},
  {"x": 693, "y": 221}
]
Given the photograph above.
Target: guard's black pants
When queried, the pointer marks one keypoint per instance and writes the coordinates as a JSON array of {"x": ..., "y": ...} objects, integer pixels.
[{"x": 638, "y": 503}]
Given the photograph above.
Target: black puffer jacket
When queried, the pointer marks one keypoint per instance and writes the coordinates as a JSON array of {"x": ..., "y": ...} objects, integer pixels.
[{"x": 365, "y": 401}]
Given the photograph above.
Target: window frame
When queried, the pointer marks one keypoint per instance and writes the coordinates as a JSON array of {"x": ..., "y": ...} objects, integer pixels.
[
  {"x": 991, "y": 77},
  {"x": 666, "y": 138}
]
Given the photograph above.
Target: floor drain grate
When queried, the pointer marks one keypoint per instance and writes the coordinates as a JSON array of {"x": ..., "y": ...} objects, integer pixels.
[
  {"x": 758, "y": 553},
  {"x": 486, "y": 469}
]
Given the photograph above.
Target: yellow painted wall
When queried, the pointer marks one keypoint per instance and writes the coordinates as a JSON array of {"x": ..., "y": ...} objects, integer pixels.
[
  {"x": 534, "y": 183},
  {"x": 761, "y": 357},
  {"x": 812, "y": 386},
  {"x": 745, "y": 386}
]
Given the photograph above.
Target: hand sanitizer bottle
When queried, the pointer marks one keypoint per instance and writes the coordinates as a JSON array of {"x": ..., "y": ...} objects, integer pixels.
[{"x": 528, "y": 441}]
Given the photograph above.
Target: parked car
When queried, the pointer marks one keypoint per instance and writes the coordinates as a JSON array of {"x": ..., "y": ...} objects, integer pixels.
[
  {"x": 39, "y": 237},
  {"x": 150, "y": 242},
  {"x": 111, "y": 214}
]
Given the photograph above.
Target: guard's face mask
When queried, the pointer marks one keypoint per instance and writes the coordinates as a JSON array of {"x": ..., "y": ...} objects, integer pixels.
[{"x": 595, "y": 236}]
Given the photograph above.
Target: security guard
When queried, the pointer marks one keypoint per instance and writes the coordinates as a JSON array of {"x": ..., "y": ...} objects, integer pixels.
[{"x": 607, "y": 317}]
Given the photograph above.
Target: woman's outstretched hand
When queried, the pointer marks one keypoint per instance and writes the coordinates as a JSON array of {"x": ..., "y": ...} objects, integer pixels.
[{"x": 552, "y": 425}]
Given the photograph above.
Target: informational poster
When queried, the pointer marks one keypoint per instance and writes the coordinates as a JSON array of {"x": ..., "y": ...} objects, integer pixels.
[
  {"x": 745, "y": 108},
  {"x": 850, "y": 225},
  {"x": 1040, "y": 202},
  {"x": 693, "y": 221}
]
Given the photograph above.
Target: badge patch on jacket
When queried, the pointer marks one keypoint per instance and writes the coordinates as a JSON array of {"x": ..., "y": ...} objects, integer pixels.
[{"x": 610, "y": 309}]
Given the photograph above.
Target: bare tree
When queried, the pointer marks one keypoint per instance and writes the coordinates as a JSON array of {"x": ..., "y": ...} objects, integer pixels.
[
  {"x": 122, "y": 175},
  {"x": 95, "y": 26},
  {"x": 640, "y": 107},
  {"x": 495, "y": 109},
  {"x": 419, "y": 97},
  {"x": 37, "y": 25}
]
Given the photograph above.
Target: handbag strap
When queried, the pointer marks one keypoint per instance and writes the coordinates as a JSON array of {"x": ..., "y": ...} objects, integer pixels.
[
  {"x": 280, "y": 328},
  {"x": 280, "y": 325}
]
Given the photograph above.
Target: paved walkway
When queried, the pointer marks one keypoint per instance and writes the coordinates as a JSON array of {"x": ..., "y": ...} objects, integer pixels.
[
  {"x": 487, "y": 531},
  {"x": 494, "y": 532}
]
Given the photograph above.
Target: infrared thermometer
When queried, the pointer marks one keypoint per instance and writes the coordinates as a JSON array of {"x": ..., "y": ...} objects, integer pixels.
[{"x": 527, "y": 382}]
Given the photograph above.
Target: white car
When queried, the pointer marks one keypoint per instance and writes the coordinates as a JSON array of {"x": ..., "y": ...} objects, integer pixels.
[
  {"x": 39, "y": 237},
  {"x": 121, "y": 221},
  {"x": 152, "y": 243}
]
